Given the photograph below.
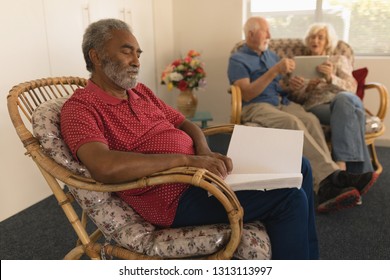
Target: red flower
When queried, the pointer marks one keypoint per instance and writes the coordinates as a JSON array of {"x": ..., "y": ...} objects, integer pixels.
[
  {"x": 200, "y": 70},
  {"x": 193, "y": 53},
  {"x": 182, "y": 85},
  {"x": 176, "y": 63},
  {"x": 187, "y": 59}
]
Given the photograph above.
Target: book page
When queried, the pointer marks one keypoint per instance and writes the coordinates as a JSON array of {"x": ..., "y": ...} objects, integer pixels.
[
  {"x": 272, "y": 157},
  {"x": 240, "y": 182}
]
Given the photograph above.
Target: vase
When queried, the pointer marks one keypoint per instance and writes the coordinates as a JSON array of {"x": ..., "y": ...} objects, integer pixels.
[{"x": 187, "y": 103}]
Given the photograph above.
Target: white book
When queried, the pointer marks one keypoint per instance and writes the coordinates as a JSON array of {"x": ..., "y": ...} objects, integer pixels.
[{"x": 265, "y": 158}]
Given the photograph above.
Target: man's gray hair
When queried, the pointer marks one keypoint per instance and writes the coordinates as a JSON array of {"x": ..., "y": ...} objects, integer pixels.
[
  {"x": 97, "y": 34},
  {"x": 252, "y": 24}
]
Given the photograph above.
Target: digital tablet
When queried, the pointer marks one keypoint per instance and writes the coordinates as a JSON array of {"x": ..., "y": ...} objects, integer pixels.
[{"x": 305, "y": 66}]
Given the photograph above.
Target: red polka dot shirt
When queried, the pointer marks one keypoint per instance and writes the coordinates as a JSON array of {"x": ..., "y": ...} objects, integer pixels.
[{"x": 142, "y": 124}]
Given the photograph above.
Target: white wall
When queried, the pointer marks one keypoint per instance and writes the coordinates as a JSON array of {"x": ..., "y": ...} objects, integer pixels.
[
  {"x": 42, "y": 38},
  {"x": 210, "y": 27},
  {"x": 164, "y": 43},
  {"x": 23, "y": 56}
]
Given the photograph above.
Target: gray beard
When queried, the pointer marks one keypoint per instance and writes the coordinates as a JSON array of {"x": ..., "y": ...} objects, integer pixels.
[
  {"x": 265, "y": 47},
  {"x": 118, "y": 74}
]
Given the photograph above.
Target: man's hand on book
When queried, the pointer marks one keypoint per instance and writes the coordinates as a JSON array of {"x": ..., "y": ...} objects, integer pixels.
[{"x": 214, "y": 162}]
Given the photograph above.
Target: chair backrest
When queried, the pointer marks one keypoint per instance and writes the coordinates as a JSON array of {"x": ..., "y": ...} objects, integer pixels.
[
  {"x": 23, "y": 101},
  {"x": 27, "y": 96},
  {"x": 291, "y": 47}
]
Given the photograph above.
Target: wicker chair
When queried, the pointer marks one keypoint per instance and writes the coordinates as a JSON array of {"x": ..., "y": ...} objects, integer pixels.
[
  {"x": 293, "y": 47},
  {"x": 121, "y": 233}
]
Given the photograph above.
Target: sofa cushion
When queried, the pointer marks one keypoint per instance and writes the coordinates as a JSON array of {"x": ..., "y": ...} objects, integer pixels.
[{"x": 360, "y": 77}]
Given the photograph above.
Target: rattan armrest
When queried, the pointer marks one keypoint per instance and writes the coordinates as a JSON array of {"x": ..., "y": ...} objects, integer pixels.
[
  {"x": 236, "y": 104},
  {"x": 383, "y": 98}
]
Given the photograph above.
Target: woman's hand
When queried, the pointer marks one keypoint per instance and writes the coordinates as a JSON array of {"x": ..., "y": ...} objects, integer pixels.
[
  {"x": 296, "y": 83},
  {"x": 326, "y": 68},
  {"x": 312, "y": 84},
  {"x": 285, "y": 66}
]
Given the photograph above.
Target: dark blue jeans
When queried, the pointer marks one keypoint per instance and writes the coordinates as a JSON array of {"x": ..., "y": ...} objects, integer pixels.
[{"x": 288, "y": 215}]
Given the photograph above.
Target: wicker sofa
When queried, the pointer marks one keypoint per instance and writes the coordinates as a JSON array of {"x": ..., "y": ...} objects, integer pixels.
[{"x": 294, "y": 47}]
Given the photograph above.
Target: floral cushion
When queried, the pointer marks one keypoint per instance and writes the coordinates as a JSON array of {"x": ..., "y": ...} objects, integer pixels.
[{"x": 120, "y": 223}]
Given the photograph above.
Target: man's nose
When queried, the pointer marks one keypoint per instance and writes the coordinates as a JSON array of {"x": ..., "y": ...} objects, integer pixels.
[{"x": 135, "y": 60}]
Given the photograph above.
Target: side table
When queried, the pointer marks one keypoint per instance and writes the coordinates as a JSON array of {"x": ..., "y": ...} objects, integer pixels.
[{"x": 202, "y": 117}]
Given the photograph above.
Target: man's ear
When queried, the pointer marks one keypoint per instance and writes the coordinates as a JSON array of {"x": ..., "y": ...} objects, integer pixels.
[
  {"x": 251, "y": 34},
  {"x": 94, "y": 57}
]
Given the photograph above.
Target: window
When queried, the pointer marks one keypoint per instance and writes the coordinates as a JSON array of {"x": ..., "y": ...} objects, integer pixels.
[{"x": 363, "y": 24}]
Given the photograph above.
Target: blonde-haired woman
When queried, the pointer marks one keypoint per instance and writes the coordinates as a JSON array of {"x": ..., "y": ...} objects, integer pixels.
[{"x": 333, "y": 100}]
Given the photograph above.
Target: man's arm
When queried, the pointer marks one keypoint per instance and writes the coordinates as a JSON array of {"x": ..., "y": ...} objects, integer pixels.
[
  {"x": 109, "y": 166},
  {"x": 197, "y": 136},
  {"x": 251, "y": 90},
  {"x": 201, "y": 146}
]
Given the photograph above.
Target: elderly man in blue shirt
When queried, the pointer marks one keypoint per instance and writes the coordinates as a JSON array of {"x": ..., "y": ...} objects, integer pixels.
[{"x": 257, "y": 72}]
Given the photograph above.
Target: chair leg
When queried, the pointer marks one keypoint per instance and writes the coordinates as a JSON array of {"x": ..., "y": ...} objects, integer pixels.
[
  {"x": 374, "y": 158},
  {"x": 75, "y": 253}
]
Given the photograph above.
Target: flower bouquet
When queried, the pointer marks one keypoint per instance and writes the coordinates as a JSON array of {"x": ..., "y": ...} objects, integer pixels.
[{"x": 185, "y": 73}]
